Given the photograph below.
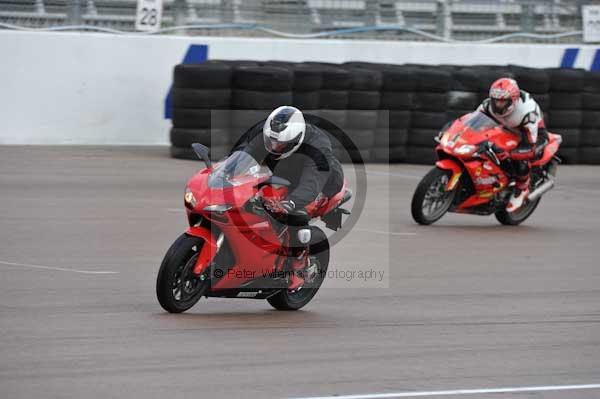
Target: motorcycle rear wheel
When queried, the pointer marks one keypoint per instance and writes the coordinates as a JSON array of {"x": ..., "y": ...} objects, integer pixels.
[
  {"x": 319, "y": 254},
  {"x": 519, "y": 216},
  {"x": 432, "y": 189},
  {"x": 177, "y": 288}
]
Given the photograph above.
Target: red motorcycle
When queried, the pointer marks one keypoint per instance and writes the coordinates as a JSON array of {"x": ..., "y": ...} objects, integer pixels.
[
  {"x": 235, "y": 248},
  {"x": 474, "y": 175}
]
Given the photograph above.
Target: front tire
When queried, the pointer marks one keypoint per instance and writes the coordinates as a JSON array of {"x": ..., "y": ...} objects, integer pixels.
[
  {"x": 319, "y": 257},
  {"x": 431, "y": 201},
  {"x": 177, "y": 288}
]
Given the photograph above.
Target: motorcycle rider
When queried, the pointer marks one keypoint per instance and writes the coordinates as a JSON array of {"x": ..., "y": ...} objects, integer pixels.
[
  {"x": 302, "y": 154},
  {"x": 518, "y": 111}
]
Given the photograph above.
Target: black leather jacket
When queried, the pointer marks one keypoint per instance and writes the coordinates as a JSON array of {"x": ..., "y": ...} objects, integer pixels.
[{"x": 312, "y": 169}]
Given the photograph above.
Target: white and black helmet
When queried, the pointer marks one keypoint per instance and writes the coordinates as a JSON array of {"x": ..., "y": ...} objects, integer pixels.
[{"x": 284, "y": 131}]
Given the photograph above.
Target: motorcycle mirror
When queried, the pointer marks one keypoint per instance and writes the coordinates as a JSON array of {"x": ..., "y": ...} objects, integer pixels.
[
  {"x": 275, "y": 181},
  {"x": 203, "y": 153}
]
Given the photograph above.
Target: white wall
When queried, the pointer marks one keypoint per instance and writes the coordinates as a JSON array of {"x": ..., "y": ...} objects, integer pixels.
[{"x": 85, "y": 88}]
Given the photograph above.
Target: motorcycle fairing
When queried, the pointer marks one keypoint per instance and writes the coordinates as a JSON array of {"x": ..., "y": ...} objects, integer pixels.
[
  {"x": 452, "y": 166},
  {"x": 207, "y": 252}
]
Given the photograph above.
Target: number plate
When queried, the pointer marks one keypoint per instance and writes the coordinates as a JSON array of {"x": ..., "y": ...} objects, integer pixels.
[{"x": 149, "y": 15}]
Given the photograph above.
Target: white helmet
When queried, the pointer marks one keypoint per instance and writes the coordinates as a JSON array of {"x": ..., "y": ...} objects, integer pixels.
[{"x": 284, "y": 131}]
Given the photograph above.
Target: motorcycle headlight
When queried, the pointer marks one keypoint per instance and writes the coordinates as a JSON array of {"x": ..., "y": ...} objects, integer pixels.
[
  {"x": 217, "y": 208},
  {"x": 464, "y": 149},
  {"x": 189, "y": 199}
]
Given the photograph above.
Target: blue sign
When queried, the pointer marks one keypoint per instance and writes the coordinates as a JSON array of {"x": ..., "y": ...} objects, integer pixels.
[{"x": 196, "y": 54}]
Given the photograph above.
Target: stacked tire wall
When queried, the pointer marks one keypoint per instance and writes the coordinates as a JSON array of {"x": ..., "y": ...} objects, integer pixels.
[{"x": 373, "y": 112}]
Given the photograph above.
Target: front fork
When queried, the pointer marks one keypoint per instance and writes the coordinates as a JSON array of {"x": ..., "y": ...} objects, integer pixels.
[
  {"x": 209, "y": 249},
  {"x": 454, "y": 168}
]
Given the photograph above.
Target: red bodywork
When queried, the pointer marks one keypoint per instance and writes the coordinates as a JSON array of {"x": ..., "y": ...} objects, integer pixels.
[
  {"x": 488, "y": 178},
  {"x": 255, "y": 246}
]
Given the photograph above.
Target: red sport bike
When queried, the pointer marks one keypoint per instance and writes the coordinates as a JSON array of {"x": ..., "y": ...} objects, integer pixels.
[
  {"x": 234, "y": 248},
  {"x": 473, "y": 174}
]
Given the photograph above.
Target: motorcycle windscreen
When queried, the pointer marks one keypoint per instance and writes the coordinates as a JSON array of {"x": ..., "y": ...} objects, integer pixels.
[{"x": 237, "y": 169}]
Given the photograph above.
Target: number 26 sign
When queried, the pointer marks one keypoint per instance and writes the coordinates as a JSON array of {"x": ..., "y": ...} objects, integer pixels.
[{"x": 149, "y": 15}]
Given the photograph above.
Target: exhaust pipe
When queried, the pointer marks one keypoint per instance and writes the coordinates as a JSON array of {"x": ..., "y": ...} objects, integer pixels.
[{"x": 541, "y": 190}]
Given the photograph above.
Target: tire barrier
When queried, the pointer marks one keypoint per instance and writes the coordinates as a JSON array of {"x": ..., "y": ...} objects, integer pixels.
[{"x": 391, "y": 113}]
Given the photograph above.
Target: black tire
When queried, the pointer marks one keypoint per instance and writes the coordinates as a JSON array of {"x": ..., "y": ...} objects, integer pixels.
[
  {"x": 307, "y": 78},
  {"x": 591, "y": 119},
  {"x": 243, "y": 119},
  {"x": 362, "y": 138},
  {"x": 391, "y": 138},
  {"x": 432, "y": 80},
  {"x": 365, "y": 100},
  {"x": 423, "y": 137},
  {"x": 285, "y": 300},
  {"x": 331, "y": 116},
  {"x": 388, "y": 154},
  {"x": 420, "y": 155},
  {"x": 590, "y": 155},
  {"x": 346, "y": 155},
  {"x": 592, "y": 82},
  {"x": 590, "y": 138},
  {"x": 464, "y": 80},
  {"x": 569, "y": 155},
  {"x": 463, "y": 100},
  {"x": 216, "y": 153},
  {"x": 190, "y": 118},
  {"x": 566, "y": 80},
  {"x": 591, "y": 101},
  {"x": 333, "y": 99},
  {"x": 532, "y": 80},
  {"x": 566, "y": 101},
  {"x": 564, "y": 119},
  {"x": 357, "y": 119},
  {"x": 202, "y": 76},
  {"x": 428, "y": 120},
  {"x": 431, "y": 184},
  {"x": 175, "y": 266},
  {"x": 397, "y": 119},
  {"x": 202, "y": 98},
  {"x": 263, "y": 78},
  {"x": 396, "y": 100},
  {"x": 571, "y": 138},
  {"x": 543, "y": 100},
  {"x": 398, "y": 79},
  {"x": 306, "y": 100},
  {"x": 208, "y": 137},
  {"x": 489, "y": 74},
  {"x": 433, "y": 102},
  {"x": 364, "y": 79},
  {"x": 335, "y": 78},
  {"x": 250, "y": 99}
]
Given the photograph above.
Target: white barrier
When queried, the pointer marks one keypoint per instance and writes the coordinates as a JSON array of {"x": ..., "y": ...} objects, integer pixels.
[{"x": 87, "y": 88}]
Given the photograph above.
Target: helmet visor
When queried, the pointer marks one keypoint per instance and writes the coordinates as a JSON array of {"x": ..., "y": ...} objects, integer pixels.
[
  {"x": 278, "y": 147},
  {"x": 501, "y": 105}
]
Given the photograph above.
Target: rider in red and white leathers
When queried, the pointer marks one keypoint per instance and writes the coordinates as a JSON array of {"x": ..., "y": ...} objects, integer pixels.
[{"x": 518, "y": 111}]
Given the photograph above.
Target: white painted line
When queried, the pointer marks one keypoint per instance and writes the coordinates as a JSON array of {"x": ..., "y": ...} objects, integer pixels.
[
  {"x": 391, "y": 233},
  {"x": 60, "y": 269},
  {"x": 459, "y": 392}
]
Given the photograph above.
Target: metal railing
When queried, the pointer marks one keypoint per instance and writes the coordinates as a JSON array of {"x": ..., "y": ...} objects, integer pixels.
[{"x": 446, "y": 20}]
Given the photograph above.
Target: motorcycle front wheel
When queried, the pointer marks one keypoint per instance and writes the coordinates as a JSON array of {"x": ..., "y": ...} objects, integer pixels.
[
  {"x": 431, "y": 201},
  {"x": 319, "y": 262},
  {"x": 177, "y": 287}
]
